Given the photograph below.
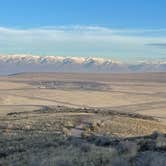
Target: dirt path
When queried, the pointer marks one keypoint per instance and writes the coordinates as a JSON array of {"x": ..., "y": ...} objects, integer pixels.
[
  {"x": 77, "y": 131},
  {"x": 57, "y": 102}
]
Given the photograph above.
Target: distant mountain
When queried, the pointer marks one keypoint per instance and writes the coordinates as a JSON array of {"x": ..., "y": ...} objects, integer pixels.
[{"x": 10, "y": 64}]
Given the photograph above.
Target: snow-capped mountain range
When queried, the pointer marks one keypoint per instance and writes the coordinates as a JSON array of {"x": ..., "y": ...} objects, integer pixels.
[{"x": 10, "y": 64}]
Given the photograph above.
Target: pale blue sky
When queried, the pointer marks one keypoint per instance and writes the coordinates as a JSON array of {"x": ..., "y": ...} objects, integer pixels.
[{"x": 119, "y": 29}]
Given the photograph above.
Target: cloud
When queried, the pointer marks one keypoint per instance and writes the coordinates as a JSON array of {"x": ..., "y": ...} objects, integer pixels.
[
  {"x": 160, "y": 45},
  {"x": 83, "y": 41}
]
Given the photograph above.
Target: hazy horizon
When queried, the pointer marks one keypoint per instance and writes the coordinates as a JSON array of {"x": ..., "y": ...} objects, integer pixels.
[
  {"x": 86, "y": 41},
  {"x": 129, "y": 32}
]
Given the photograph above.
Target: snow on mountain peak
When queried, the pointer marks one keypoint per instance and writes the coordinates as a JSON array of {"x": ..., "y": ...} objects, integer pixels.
[
  {"x": 30, "y": 63},
  {"x": 52, "y": 59}
]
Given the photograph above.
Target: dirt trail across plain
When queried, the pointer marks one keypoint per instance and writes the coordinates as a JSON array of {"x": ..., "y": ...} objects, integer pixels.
[{"x": 142, "y": 93}]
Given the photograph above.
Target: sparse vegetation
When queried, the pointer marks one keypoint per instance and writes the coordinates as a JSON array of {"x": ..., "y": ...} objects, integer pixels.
[{"x": 38, "y": 138}]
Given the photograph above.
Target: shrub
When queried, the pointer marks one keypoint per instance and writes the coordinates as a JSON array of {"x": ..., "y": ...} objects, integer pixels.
[
  {"x": 161, "y": 142},
  {"x": 150, "y": 159},
  {"x": 128, "y": 148},
  {"x": 63, "y": 162},
  {"x": 120, "y": 161}
]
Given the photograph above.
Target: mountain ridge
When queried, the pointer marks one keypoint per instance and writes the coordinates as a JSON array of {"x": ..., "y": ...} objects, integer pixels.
[{"x": 10, "y": 64}]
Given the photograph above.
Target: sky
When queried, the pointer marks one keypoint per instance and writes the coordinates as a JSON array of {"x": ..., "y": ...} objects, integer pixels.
[{"x": 128, "y": 30}]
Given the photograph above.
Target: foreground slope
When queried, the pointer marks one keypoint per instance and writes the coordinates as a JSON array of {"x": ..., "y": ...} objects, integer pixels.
[{"x": 51, "y": 136}]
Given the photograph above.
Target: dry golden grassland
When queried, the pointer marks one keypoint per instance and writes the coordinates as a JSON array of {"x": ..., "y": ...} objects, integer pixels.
[{"x": 136, "y": 93}]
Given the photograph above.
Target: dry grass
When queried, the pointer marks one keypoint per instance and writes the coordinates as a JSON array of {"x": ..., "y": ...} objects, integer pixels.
[
  {"x": 42, "y": 137},
  {"x": 141, "y": 93},
  {"x": 128, "y": 127}
]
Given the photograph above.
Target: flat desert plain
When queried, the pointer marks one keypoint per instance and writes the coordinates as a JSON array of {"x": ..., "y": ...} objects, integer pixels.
[{"x": 141, "y": 93}]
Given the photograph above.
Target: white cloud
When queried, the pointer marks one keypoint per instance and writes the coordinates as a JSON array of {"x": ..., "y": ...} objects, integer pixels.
[{"x": 84, "y": 41}]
